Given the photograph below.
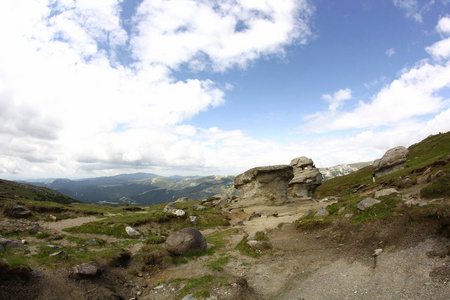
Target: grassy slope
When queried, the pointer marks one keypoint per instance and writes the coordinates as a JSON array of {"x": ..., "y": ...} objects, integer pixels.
[{"x": 421, "y": 155}]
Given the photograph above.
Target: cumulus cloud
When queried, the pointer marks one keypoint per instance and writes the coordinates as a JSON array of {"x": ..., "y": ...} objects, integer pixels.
[
  {"x": 70, "y": 99},
  {"x": 413, "y": 8},
  {"x": 396, "y": 114}
]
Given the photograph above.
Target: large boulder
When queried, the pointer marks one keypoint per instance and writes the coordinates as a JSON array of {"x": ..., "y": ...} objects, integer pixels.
[
  {"x": 394, "y": 159},
  {"x": 306, "y": 178},
  {"x": 185, "y": 240},
  {"x": 263, "y": 185}
]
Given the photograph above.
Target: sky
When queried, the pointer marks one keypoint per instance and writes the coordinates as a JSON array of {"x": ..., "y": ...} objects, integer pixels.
[{"x": 202, "y": 87}]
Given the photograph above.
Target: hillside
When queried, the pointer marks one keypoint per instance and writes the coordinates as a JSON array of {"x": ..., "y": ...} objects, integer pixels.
[
  {"x": 397, "y": 249},
  {"x": 141, "y": 188}
]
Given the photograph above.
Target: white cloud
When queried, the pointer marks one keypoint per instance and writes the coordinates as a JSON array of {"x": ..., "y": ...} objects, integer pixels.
[
  {"x": 441, "y": 50},
  {"x": 69, "y": 103},
  {"x": 174, "y": 32},
  {"x": 390, "y": 52},
  {"x": 414, "y": 9},
  {"x": 337, "y": 99}
]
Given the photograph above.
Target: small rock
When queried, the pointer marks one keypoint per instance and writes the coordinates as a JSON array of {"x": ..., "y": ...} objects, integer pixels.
[
  {"x": 423, "y": 204},
  {"x": 53, "y": 218},
  {"x": 385, "y": 192},
  {"x": 54, "y": 246},
  {"x": 199, "y": 207},
  {"x": 348, "y": 216},
  {"x": 182, "y": 200},
  {"x": 366, "y": 203},
  {"x": 142, "y": 238},
  {"x": 321, "y": 212},
  {"x": 131, "y": 231},
  {"x": 92, "y": 242},
  {"x": 194, "y": 220},
  {"x": 189, "y": 297},
  {"x": 427, "y": 283},
  {"x": 185, "y": 240},
  {"x": 37, "y": 273},
  {"x": 377, "y": 252},
  {"x": 179, "y": 212},
  {"x": 307, "y": 213},
  {"x": 90, "y": 269},
  {"x": 170, "y": 207},
  {"x": 62, "y": 253}
]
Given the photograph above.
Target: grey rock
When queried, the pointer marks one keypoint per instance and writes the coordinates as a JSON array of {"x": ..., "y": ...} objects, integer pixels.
[
  {"x": 37, "y": 273},
  {"x": 132, "y": 232},
  {"x": 348, "y": 216},
  {"x": 19, "y": 212},
  {"x": 394, "y": 159},
  {"x": 199, "y": 207},
  {"x": 263, "y": 185},
  {"x": 59, "y": 253},
  {"x": 89, "y": 269},
  {"x": 92, "y": 242},
  {"x": 377, "y": 252},
  {"x": 9, "y": 244},
  {"x": 185, "y": 240},
  {"x": 385, "y": 192},
  {"x": 189, "y": 297},
  {"x": 182, "y": 200},
  {"x": 368, "y": 202},
  {"x": 306, "y": 178},
  {"x": 307, "y": 213},
  {"x": 179, "y": 212},
  {"x": 170, "y": 207},
  {"x": 321, "y": 212},
  {"x": 54, "y": 246},
  {"x": 194, "y": 220}
]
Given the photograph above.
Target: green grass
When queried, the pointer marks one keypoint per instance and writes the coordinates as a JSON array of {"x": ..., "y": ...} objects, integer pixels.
[
  {"x": 439, "y": 188},
  {"x": 217, "y": 265},
  {"x": 245, "y": 249},
  {"x": 198, "y": 285}
]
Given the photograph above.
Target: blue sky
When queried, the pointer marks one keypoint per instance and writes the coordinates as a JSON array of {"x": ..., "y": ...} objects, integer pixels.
[{"x": 190, "y": 87}]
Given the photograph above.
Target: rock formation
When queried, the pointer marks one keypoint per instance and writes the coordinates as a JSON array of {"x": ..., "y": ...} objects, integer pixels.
[
  {"x": 264, "y": 185},
  {"x": 306, "y": 178},
  {"x": 393, "y": 160}
]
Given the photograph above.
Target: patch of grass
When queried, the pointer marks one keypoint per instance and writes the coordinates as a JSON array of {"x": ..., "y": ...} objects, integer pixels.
[
  {"x": 261, "y": 236},
  {"x": 381, "y": 210},
  {"x": 217, "y": 265},
  {"x": 201, "y": 294},
  {"x": 155, "y": 239},
  {"x": 438, "y": 189},
  {"x": 42, "y": 235},
  {"x": 245, "y": 249},
  {"x": 198, "y": 285}
]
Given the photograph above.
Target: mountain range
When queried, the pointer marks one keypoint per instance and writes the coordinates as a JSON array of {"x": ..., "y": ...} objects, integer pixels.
[{"x": 149, "y": 188}]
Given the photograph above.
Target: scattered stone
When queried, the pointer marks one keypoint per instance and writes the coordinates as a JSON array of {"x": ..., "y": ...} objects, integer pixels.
[
  {"x": 19, "y": 212},
  {"x": 53, "y": 218},
  {"x": 427, "y": 283},
  {"x": 182, "y": 200},
  {"x": 170, "y": 207},
  {"x": 423, "y": 204},
  {"x": 366, "y": 203},
  {"x": 194, "y": 220},
  {"x": 406, "y": 180},
  {"x": 377, "y": 252},
  {"x": 185, "y": 240},
  {"x": 62, "y": 253},
  {"x": 307, "y": 178},
  {"x": 89, "y": 269},
  {"x": 341, "y": 210},
  {"x": 131, "y": 231},
  {"x": 54, "y": 246},
  {"x": 307, "y": 213},
  {"x": 256, "y": 214},
  {"x": 394, "y": 159},
  {"x": 9, "y": 244},
  {"x": 142, "y": 238},
  {"x": 438, "y": 174},
  {"x": 385, "y": 192},
  {"x": 92, "y": 242},
  {"x": 199, "y": 207},
  {"x": 322, "y": 212},
  {"x": 179, "y": 212},
  {"x": 189, "y": 297},
  {"x": 37, "y": 273},
  {"x": 348, "y": 216}
]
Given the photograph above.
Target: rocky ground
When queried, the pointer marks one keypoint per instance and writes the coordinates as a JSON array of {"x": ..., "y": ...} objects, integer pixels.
[{"x": 335, "y": 262}]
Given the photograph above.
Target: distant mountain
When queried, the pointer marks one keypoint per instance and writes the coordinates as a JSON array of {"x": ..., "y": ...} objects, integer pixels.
[
  {"x": 341, "y": 170},
  {"x": 141, "y": 188}
]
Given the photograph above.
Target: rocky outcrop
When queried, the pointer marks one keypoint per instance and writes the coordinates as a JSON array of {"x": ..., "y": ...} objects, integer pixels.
[
  {"x": 264, "y": 185},
  {"x": 394, "y": 159},
  {"x": 306, "y": 178},
  {"x": 185, "y": 240}
]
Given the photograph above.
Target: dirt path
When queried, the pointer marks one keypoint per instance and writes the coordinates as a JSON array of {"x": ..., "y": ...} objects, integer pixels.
[{"x": 60, "y": 225}]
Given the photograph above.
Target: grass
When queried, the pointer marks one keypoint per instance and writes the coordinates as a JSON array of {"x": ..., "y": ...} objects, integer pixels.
[
  {"x": 245, "y": 249},
  {"x": 217, "y": 265},
  {"x": 198, "y": 286}
]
